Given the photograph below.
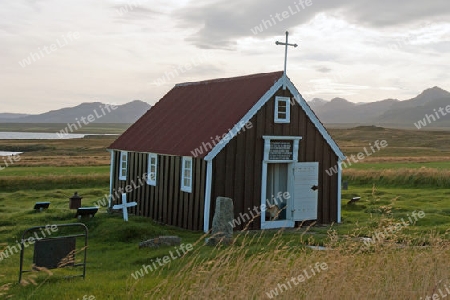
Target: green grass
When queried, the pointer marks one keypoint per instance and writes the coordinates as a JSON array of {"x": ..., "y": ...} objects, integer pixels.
[
  {"x": 401, "y": 143},
  {"x": 111, "y": 241},
  {"x": 408, "y": 265},
  {"x": 54, "y": 171},
  {"x": 440, "y": 165},
  {"x": 402, "y": 178},
  {"x": 401, "y": 202},
  {"x": 43, "y": 178},
  {"x": 113, "y": 253}
]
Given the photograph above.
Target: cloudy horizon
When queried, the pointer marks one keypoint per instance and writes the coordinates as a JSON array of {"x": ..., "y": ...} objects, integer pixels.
[{"x": 61, "y": 53}]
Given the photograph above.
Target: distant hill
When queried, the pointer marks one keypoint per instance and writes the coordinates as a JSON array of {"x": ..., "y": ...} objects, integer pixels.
[
  {"x": 389, "y": 112},
  {"x": 126, "y": 113},
  {"x": 11, "y": 116},
  {"x": 410, "y": 111},
  {"x": 317, "y": 102}
]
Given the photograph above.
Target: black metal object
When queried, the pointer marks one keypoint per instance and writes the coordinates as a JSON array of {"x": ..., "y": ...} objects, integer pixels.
[
  {"x": 353, "y": 200},
  {"x": 86, "y": 212},
  {"x": 50, "y": 253},
  {"x": 41, "y": 205},
  {"x": 54, "y": 250},
  {"x": 75, "y": 201}
]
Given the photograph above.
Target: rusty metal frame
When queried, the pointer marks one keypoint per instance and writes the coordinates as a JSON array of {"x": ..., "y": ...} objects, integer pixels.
[{"x": 29, "y": 231}]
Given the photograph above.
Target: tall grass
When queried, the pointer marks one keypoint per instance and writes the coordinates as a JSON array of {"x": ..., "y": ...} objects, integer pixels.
[
  {"x": 38, "y": 182},
  {"x": 422, "y": 177},
  {"x": 401, "y": 266},
  {"x": 388, "y": 270},
  {"x": 72, "y": 152}
]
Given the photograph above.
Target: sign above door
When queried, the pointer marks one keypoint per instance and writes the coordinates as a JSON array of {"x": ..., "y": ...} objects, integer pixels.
[{"x": 281, "y": 149}]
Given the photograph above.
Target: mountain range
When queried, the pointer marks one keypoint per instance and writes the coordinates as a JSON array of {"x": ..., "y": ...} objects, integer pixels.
[
  {"x": 337, "y": 111},
  {"x": 102, "y": 113},
  {"x": 389, "y": 112}
]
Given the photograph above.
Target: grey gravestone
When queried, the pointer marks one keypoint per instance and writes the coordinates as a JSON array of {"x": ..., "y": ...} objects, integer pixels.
[
  {"x": 222, "y": 229},
  {"x": 345, "y": 185}
]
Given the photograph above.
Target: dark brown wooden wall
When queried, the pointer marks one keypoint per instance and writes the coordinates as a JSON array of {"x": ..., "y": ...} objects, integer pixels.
[
  {"x": 237, "y": 169},
  {"x": 165, "y": 202}
]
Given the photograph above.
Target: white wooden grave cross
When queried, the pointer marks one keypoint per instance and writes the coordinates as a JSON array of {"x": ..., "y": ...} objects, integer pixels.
[
  {"x": 124, "y": 206},
  {"x": 286, "y": 44}
]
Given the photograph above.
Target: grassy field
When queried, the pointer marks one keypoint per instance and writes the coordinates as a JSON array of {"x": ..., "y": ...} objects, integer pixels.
[
  {"x": 406, "y": 258},
  {"x": 49, "y": 163},
  {"x": 207, "y": 272},
  {"x": 57, "y": 153}
]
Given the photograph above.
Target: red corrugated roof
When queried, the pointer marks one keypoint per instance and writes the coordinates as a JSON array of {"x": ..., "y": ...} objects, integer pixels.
[{"x": 191, "y": 113}]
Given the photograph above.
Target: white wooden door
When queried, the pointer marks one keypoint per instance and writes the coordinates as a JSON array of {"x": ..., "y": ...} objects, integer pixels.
[{"x": 306, "y": 181}]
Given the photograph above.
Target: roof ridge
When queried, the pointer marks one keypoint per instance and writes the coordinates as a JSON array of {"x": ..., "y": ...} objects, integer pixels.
[{"x": 227, "y": 79}]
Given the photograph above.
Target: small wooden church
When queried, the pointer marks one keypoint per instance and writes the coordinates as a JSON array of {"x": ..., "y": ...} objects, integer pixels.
[{"x": 251, "y": 138}]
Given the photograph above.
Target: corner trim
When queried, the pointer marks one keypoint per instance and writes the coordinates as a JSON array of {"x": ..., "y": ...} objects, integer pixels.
[
  {"x": 339, "y": 191},
  {"x": 111, "y": 176},
  {"x": 207, "y": 208}
]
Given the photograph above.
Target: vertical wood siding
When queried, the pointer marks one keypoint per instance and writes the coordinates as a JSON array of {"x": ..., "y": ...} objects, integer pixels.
[
  {"x": 165, "y": 202},
  {"x": 237, "y": 169}
]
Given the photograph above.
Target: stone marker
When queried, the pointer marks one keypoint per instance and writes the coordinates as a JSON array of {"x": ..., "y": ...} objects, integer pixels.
[
  {"x": 161, "y": 241},
  {"x": 222, "y": 229}
]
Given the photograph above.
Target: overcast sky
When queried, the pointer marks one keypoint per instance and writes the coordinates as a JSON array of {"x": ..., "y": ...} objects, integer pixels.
[{"x": 56, "y": 53}]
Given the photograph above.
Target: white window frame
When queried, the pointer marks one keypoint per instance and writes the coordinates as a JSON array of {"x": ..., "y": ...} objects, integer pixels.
[
  {"x": 186, "y": 187},
  {"x": 123, "y": 169},
  {"x": 151, "y": 180},
  {"x": 287, "y": 117}
]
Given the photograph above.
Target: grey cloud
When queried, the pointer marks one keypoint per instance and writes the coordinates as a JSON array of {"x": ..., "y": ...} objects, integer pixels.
[
  {"x": 387, "y": 13},
  {"x": 205, "y": 71},
  {"x": 35, "y": 4},
  {"x": 221, "y": 22},
  {"x": 323, "y": 69},
  {"x": 130, "y": 12},
  {"x": 443, "y": 47},
  {"x": 321, "y": 56}
]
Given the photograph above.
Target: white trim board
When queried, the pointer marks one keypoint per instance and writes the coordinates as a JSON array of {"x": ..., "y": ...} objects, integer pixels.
[
  {"x": 339, "y": 191},
  {"x": 207, "y": 208}
]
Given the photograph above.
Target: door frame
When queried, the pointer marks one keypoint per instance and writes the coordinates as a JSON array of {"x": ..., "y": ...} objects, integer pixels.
[{"x": 266, "y": 224}]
